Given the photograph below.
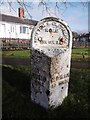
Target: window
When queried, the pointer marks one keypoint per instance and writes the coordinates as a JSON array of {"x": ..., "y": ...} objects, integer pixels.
[
  {"x": 22, "y": 29},
  {"x": 27, "y": 30},
  {"x": 3, "y": 28},
  {"x": 12, "y": 28}
]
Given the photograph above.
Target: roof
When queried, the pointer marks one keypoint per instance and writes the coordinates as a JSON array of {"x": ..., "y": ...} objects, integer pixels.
[{"x": 8, "y": 18}]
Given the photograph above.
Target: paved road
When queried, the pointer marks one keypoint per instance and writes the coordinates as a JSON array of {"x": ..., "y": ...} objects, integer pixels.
[{"x": 26, "y": 61}]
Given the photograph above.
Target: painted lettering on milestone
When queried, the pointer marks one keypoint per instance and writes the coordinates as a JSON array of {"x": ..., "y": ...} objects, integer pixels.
[
  {"x": 59, "y": 77},
  {"x": 50, "y": 62},
  {"x": 51, "y": 33}
]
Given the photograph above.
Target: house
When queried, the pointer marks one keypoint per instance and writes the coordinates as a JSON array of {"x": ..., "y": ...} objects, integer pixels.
[
  {"x": 15, "y": 29},
  {"x": 81, "y": 40}
]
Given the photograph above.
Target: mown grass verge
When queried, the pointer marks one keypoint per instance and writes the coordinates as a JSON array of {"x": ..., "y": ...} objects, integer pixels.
[
  {"x": 18, "y": 105},
  {"x": 77, "y": 54}
]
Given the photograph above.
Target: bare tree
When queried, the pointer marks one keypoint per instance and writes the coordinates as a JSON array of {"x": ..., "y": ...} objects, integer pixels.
[{"x": 42, "y": 3}]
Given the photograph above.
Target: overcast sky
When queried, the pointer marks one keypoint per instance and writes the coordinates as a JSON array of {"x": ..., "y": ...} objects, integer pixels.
[{"x": 75, "y": 14}]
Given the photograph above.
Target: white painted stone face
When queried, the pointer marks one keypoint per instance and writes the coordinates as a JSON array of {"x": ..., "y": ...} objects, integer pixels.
[{"x": 50, "y": 62}]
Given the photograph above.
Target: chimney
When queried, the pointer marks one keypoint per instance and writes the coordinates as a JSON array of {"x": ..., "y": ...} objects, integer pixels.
[{"x": 21, "y": 12}]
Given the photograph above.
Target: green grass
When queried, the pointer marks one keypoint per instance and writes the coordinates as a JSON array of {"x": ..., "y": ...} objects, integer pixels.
[
  {"x": 16, "y": 53},
  {"x": 16, "y": 99},
  {"x": 77, "y": 53}
]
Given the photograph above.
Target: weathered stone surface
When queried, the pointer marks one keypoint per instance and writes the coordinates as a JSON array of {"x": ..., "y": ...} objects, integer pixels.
[
  {"x": 50, "y": 62},
  {"x": 49, "y": 78}
]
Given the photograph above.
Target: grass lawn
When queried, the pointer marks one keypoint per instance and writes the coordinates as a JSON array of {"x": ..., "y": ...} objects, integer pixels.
[
  {"x": 77, "y": 53},
  {"x": 16, "y": 53},
  {"x": 16, "y": 99}
]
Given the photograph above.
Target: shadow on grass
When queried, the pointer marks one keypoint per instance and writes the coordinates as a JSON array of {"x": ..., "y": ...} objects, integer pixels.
[
  {"x": 16, "y": 96},
  {"x": 16, "y": 79},
  {"x": 17, "y": 104}
]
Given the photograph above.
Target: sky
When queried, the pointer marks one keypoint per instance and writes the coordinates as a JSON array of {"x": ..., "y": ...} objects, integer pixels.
[{"x": 75, "y": 14}]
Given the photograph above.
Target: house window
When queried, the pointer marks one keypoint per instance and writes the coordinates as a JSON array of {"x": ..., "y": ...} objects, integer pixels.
[
  {"x": 12, "y": 28},
  {"x": 3, "y": 28},
  {"x": 22, "y": 29},
  {"x": 27, "y": 30}
]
